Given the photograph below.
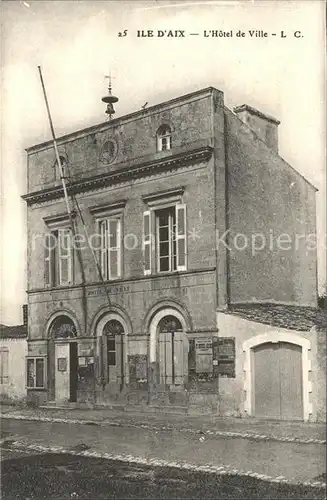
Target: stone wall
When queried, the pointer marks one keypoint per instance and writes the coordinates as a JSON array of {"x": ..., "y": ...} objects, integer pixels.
[
  {"x": 13, "y": 390},
  {"x": 134, "y": 134},
  {"x": 267, "y": 200}
]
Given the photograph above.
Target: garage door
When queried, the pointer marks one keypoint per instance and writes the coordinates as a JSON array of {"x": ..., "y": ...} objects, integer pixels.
[{"x": 278, "y": 381}]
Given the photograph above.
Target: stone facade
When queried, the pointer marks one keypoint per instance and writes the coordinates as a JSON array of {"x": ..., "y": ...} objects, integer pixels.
[{"x": 220, "y": 176}]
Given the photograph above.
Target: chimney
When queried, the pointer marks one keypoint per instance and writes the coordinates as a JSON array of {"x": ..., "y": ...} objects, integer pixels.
[
  {"x": 25, "y": 315},
  {"x": 264, "y": 126}
]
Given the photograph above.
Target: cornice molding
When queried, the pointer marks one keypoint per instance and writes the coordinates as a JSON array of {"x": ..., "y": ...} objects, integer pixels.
[
  {"x": 58, "y": 219},
  {"x": 118, "y": 206},
  {"x": 140, "y": 170},
  {"x": 154, "y": 198}
]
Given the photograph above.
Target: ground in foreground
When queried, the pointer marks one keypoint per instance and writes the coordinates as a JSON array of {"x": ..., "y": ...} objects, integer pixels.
[{"x": 65, "y": 476}]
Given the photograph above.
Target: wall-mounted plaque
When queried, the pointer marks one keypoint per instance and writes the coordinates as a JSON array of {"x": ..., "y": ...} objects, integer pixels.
[
  {"x": 62, "y": 364},
  {"x": 81, "y": 361},
  {"x": 138, "y": 368},
  {"x": 225, "y": 355},
  {"x": 203, "y": 355}
]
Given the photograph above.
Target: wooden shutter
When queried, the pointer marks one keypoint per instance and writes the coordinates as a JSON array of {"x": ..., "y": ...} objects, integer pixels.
[
  {"x": 4, "y": 354},
  {"x": 114, "y": 247},
  {"x": 98, "y": 360},
  {"x": 215, "y": 357},
  {"x": 178, "y": 358},
  {"x": 119, "y": 358},
  {"x": 47, "y": 260},
  {"x": 104, "y": 250},
  {"x": 147, "y": 241},
  {"x": 165, "y": 358},
  {"x": 65, "y": 256},
  {"x": 162, "y": 358},
  {"x": 104, "y": 349},
  {"x": 181, "y": 237}
]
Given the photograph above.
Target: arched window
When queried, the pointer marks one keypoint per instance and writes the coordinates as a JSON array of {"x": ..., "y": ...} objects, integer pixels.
[
  {"x": 63, "y": 162},
  {"x": 164, "y": 141},
  {"x": 56, "y": 169},
  {"x": 63, "y": 328},
  {"x": 169, "y": 324},
  {"x": 171, "y": 351},
  {"x": 113, "y": 351}
]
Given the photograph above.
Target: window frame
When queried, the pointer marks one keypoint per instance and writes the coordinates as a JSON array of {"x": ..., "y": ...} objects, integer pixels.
[
  {"x": 104, "y": 253},
  {"x": 54, "y": 257},
  {"x": 4, "y": 379},
  {"x": 68, "y": 257},
  {"x": 35, "y": 358},
  {"x": 110, "y": 351},
  {"x": 164, "y": 133},
  {"x": 171, "y": 240},
  {"x": 153, "y": 239}
]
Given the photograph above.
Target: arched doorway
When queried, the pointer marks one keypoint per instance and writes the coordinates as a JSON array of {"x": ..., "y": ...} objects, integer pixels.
[
  {"x": 276, "y": 376},
  {"x": 62, "y": 359},
  {"x": 111, "y": 352},
  {"x": 169, "y": 349}
]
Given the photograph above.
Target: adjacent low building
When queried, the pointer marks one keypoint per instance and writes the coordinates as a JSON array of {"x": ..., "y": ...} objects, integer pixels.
[
  {"x": 280, "y": 370},
  {"x": 13, "y": 353},
  {"x": 191, "y": 213}
]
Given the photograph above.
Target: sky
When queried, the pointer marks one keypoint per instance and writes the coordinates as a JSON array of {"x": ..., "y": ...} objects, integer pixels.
[{"x": 77, "y": 44}]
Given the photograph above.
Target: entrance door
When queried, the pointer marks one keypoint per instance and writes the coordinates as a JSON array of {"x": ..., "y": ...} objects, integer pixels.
[
  {"x": 73, "y": 371},
  {"x": 62, "y": 360},
  {"x": 278, "y": 381},
  {"x": 172, "y": 355},
  {"x": 172, "y": 352},
  {"x": 66, "y": 372}
]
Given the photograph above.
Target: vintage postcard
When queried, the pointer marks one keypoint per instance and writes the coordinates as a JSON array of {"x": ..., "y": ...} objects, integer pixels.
[{"x": 163, "y": 272}]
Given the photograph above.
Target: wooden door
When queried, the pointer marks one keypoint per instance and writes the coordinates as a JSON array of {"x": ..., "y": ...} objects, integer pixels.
[
  {"x": 277, "y": 381},
  {"x": 291, "y": 387},
  {"x": 73, "y": 371},
  {"x": 62, "y": 378},
  {"x": 172, "y": 358},
  {"x": 113, "y": 360}
]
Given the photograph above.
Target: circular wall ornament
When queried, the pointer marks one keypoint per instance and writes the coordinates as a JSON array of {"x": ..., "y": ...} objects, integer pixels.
[{"x": 108, "y": 151}]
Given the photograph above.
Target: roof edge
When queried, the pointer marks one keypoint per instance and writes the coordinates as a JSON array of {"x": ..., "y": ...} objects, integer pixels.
[
  {"x": 254, "y": 111},
  {"x": 207, "y": 91}
]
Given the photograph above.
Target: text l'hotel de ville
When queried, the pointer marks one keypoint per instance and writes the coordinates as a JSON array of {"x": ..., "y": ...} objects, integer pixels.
[{"x": 213, "y": 33}]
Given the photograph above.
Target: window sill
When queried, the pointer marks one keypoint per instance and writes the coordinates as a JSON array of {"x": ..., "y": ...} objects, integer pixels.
[{"x": 56, "y": 287}]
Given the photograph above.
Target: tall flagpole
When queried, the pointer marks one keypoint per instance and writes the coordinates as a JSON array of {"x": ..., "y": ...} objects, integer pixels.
[
  {"x": 62, "y": 177},
  {"x": 63, "y": 180}
]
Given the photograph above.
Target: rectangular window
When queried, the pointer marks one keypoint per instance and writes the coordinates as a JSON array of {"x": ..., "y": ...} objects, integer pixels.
[
  {"x": 35, "y": 373},
  {"x": 168, "y": 243},
  {"x": 165, "y": 143},
  {"x": 147, "y": 241},
  {"x": 65, "y": 256},
  {"x": 4, "y": 355},
  {"x": 166, "y": 239},
  {"x": 58, "y": 258},
  {"x": 110, "y": 234}
]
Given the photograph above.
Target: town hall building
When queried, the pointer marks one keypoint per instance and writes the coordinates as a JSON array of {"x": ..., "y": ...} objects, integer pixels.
[{"x": 179, "y": 283}]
